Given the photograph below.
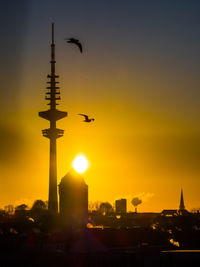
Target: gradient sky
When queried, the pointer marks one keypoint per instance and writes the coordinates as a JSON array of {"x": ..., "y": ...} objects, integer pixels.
[{"x": 138, "y": 76}]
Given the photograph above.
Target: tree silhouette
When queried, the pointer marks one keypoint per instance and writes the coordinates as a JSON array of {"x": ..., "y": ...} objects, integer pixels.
[
  {"x": 21, "y": 207},
  {"x": 39, "y": 205},
  {"x": 9, "y": 209},
  {"x": 105, "y": 208}
]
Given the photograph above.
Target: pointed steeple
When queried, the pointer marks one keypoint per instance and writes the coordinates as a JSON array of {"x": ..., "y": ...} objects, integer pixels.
[{"x": 181, "y": 206}]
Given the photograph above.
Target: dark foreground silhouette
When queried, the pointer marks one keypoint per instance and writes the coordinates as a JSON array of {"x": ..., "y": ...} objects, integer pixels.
[{"x": 37, "y": 238}]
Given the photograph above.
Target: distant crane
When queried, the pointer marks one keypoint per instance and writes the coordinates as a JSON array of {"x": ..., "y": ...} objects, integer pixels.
[
  {"x": 76, "y": 42},
  {"x": 86, "y": 118}
]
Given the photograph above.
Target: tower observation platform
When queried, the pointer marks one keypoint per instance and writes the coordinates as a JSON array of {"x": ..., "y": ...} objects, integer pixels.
[{"x": 52, "y": 115}]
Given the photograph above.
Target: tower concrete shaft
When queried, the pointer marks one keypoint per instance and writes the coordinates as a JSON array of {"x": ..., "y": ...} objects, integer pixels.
[{"x": 52, "y": 115}]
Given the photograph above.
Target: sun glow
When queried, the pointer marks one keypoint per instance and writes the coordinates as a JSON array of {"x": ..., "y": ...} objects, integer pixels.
[{"x": 80, "y": 164}]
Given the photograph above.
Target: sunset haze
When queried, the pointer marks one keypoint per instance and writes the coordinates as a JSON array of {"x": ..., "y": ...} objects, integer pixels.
[{"x": 138, "y": 76}]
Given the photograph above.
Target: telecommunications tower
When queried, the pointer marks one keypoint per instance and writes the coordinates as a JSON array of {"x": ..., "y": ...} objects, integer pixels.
[{"x": 52, "y": 115}]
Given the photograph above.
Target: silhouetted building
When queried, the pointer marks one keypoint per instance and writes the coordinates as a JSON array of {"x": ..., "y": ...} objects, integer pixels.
[
  {"x": 52, "y": 115},
  {"x": 169, "y": 213},
  {"x": 120, "y": 206},
  {"x": 180, "y": 211},
  {"x": 73, "y": 193}
]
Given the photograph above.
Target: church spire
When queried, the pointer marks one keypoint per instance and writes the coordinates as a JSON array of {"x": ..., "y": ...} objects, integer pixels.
[{"x": 181, "y": 206}]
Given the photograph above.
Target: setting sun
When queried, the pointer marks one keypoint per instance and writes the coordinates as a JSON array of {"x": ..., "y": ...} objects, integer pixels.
[{"x": 80, "y": 164}]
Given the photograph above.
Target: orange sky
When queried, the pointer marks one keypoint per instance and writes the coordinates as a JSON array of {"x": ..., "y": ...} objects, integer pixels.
[{"x": 145, "y": 140}]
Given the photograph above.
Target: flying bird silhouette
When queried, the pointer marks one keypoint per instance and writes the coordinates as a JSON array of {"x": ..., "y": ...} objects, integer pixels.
[
  {"x": 86, "y": 118},
  {"x": 76, "y": 42}
]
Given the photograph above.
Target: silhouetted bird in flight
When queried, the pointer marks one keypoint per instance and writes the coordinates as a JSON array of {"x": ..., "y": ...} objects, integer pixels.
[
  {"x": 76, "y": 42},
  {"x": 86, "y": 118}
]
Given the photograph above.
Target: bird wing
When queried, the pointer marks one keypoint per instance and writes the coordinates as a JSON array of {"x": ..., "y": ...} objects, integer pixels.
[
  {"x": 80, "y": 46},
  {"x": 72, "y": 40},
  {"x": 76, "y": 42},
  {"x": 83, "y": 115}
]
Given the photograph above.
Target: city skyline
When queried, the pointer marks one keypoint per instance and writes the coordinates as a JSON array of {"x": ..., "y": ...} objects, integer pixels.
[{"x": 138, "y": 79}]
